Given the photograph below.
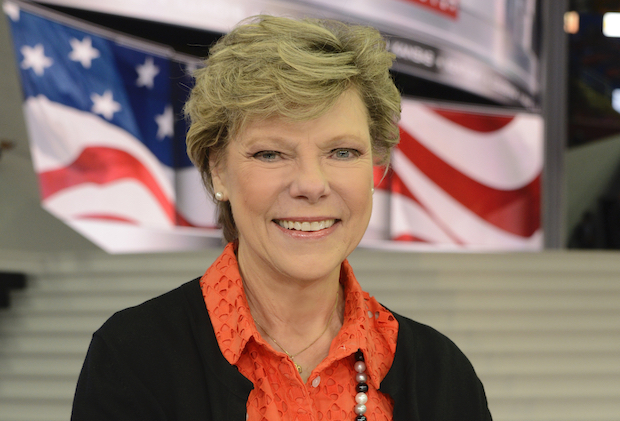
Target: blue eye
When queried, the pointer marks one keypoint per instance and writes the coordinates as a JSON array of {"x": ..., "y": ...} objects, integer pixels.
[
  {"x": 345, "y": 153},
  {"x": 267, "y": 156}
]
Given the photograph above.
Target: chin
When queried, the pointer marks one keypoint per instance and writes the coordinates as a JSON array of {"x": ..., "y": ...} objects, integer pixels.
[{"x": 312, "y": 266}]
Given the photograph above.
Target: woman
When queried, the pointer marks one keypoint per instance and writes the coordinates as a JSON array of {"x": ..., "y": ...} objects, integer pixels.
[{"x": 287, "y": 120}]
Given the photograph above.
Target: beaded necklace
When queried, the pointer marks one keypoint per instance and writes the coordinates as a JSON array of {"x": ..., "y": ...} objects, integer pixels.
[
  {"x": 361, "y": 398},
  {"x": 361, "y": 388}
]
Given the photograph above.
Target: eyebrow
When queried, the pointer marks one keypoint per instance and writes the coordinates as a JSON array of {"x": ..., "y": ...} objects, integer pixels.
[{"x": 280, "y": 140}]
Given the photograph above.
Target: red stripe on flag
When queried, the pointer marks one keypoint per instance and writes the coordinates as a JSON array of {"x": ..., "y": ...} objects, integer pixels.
[
  {"x": 447, "y": 8},
  {"x": 381, "y": 177},
  {"x": 101, "y": 165},
  {"x": 106, "y": 217},
  {"x": 483, "y": 123},
  {"x": 399, "y": 187},
  {"x": 515, "y": 211}
]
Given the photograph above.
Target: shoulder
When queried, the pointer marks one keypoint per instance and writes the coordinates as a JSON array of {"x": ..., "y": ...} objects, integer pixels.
[
  {"x": 157, "y": 319},
  {"x": 432, "y": 377},
  {"x": 429, "y": 352},
  {"x": 159, "y": 360},
  {"x": 423, "y": 340}
]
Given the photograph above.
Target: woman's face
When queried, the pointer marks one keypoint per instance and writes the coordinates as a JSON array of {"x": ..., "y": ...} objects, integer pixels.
[{"x": 300, "y": 192}]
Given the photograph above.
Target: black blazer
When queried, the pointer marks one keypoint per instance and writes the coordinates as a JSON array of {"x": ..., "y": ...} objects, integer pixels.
[{"x": 161, "y": 361}]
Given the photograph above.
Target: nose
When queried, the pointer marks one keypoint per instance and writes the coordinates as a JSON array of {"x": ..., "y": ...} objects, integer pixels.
[{"x": 310, "y": 181}]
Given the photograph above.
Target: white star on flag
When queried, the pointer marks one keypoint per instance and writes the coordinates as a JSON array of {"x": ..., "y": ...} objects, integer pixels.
[
  {"x": 165, "y": 123},
  {"x": 35, "y": 59},
  {"x": 105, "y": 104},
  {"x": 11, "y": 10},
  {"x": 147, "y": 73},
  {"x": 83, "y": 51}
]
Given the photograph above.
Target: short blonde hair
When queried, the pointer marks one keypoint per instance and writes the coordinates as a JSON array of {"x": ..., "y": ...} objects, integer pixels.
[{"x": 273, "y": 66}]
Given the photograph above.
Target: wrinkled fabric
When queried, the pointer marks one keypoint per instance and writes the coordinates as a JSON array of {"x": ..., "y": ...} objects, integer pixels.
[{"x": 279, "y": 392}]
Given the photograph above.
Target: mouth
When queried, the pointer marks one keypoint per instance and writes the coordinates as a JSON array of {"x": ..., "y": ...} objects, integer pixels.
[{"x": 305, "y": 226}]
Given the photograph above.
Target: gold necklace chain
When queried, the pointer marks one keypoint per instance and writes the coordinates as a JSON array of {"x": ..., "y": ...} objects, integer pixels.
[{"x": 312, "y": 343}]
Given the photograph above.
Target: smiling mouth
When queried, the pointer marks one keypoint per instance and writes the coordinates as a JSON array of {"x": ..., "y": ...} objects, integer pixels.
[{"x": 305, "y": 226}]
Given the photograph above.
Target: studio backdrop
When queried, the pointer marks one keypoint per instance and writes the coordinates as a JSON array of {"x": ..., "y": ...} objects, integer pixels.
[{"x": 104, "y": 116}]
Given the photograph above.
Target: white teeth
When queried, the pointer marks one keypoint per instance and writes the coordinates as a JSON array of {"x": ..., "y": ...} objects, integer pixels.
[{"x": 306, "y": 226}]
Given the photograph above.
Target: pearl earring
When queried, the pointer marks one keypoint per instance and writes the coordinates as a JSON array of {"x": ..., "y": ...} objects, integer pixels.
[
  {"x": 219, "y": 196},
  {"x": 372, "y": 190}
]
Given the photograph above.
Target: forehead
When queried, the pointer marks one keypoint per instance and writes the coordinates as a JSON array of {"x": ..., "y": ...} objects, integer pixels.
[{"x": 348, "y": 116}]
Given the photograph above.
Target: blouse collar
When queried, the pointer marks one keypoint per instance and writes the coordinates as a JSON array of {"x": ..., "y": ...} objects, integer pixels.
[{"x": 367, "y": 325}]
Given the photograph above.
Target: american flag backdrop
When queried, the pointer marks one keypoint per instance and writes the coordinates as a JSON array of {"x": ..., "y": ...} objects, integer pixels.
[
  {"x": 107, "y": 139},
  {"x": 462, "y": 179},
  {"x": 104, "y": 116}
]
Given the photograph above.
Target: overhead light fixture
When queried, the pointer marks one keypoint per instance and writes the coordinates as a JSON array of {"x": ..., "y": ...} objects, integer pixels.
[
  {"x": 611, "y": 24},
  {"x": 615, "y": 100},
  {"x": 571, "y": 22}
]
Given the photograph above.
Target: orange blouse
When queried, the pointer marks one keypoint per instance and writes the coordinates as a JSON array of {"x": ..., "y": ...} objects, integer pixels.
[{"x": 279, "y": 392}]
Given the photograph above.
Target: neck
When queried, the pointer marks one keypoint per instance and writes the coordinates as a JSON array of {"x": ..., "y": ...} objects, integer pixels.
[
  {"x": 279, "y": 301},
  {"x": 292, "y": 309},
  {"x": 290, "y": 314}
]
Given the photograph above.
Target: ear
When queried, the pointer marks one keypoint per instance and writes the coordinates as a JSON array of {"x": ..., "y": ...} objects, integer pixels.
[{"x": 218, "y": 177}]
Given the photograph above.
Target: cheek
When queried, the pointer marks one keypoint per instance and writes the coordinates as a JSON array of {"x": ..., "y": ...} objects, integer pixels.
[
  {"x": 254, "y": 191},
  {"x": 356, "y": 190}
]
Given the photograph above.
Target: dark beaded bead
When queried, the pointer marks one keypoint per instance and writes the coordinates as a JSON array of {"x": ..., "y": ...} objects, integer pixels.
[{"x": 361, "y": 388}]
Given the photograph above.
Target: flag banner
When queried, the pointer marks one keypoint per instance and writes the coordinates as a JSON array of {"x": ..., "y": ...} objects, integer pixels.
[
  {"x": 104, "y": 115},
  {"x": 486, "y": 47},
  {"x": 461, "y": 179}
]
